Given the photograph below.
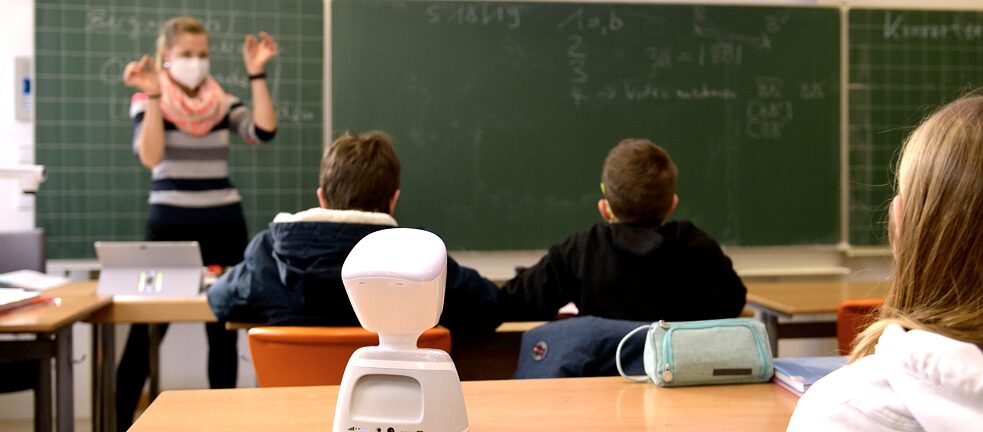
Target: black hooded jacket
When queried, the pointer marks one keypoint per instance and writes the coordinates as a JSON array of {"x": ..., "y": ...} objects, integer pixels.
[{"x": 674, "y": 272}]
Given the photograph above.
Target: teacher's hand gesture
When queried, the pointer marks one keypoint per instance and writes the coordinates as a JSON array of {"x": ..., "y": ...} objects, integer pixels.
[
  {"x": 255, "y": 53},
  {"x": 142, "y": 74}
]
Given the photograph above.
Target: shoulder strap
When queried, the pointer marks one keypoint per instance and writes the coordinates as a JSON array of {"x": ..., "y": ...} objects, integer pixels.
[{"x": 617, "y": 355}]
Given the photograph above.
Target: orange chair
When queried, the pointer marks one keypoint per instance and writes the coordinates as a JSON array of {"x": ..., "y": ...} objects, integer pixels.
[
  {"x": 852, "y": 318},
  {"x": 303, "y": 356}
]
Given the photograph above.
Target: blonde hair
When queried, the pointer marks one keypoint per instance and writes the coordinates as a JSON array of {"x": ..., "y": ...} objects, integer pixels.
[
  {"x": 170, "y": 31},
  {"x": 937, "y": 284}
]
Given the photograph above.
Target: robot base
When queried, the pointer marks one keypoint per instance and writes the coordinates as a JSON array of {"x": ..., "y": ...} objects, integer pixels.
[{"x": 400, "y": 390}]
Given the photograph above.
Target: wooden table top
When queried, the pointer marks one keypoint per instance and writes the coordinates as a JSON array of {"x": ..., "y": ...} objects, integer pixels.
[
  {"x": 569, "y": 404},
  {"x": 803, "y": 298},
  {"x": 71, "y": 304},
  {"x": 145, "y": 310}
]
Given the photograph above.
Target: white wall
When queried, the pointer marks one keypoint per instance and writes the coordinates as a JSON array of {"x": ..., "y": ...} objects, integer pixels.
[
  {"x": 17, "y": 27},
  {"x": 16, "y": 137}
]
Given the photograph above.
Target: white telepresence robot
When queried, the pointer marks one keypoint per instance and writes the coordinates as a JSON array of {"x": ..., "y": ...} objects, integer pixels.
[{"x": 395, "y": 279}]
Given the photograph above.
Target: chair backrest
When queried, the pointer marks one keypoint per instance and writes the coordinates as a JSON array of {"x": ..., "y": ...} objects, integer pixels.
[
  {"x": 304, "y": 356},
  {"x": 852, "y": 318},
  {"x": 22, "y": 250}
]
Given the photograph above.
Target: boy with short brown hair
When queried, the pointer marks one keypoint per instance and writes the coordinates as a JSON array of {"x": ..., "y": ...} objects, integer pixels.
[{"x": 634, "y": 265}]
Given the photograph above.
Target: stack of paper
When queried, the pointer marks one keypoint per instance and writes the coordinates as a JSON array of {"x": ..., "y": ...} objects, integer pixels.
[
  {"x": 30, "y": 279},
  {"x": 797, "y": 374}
]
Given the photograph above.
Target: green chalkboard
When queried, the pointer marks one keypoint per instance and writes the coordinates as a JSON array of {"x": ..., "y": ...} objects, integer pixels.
[
  {"x": 503, "y": 112},
  {"x": 903, "y": 65},
  {"x": 96, "y": 188}
]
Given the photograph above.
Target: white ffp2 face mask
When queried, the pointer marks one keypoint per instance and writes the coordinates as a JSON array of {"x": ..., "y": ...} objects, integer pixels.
[{"x": 189, "y": 71}]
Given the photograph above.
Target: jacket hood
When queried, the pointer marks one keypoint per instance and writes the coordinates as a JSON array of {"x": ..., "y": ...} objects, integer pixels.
[
  {"x": 318, "y": 214},
  {"x": 644, "y": 240},
  {"x": 313, "y": 242},
  {"x": 938, "y": 379}
]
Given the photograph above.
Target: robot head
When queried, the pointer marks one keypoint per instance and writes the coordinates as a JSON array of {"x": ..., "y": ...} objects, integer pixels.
[{"x": 395, "y": 280}]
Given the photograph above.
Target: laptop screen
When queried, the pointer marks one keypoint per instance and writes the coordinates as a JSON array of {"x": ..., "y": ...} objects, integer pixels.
[{"x": 149, "y": 269}]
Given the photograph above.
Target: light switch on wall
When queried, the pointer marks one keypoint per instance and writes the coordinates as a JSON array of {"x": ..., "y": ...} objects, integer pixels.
[{"x": 24, "y": 89}]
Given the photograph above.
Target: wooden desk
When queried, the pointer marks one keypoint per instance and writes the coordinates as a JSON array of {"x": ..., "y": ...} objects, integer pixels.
[
  {"x": 147, "y": 310},
  {"x": 128, "y": 311},
  {"x": 52, "y": 328},
  {"x": 787, "y": 299},
  {"x": 570, "y": 404}
]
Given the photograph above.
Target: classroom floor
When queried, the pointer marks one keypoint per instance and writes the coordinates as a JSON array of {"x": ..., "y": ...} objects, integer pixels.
[
  {"x": 81, "y": 424},
  {"x": 28, "y": 425}
]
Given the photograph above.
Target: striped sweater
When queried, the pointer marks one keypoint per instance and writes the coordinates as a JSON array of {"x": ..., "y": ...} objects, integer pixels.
[{"x": 191, "y": 184}]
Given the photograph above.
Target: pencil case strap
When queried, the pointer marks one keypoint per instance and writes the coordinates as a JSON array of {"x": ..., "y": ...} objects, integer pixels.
[{"x": 617, "y": 356}]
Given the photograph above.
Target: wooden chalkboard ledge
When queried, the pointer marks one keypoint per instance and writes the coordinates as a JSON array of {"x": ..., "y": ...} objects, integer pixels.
[
  {"x": 801, "y": 271},
  {"x": 864, "y": 252}
]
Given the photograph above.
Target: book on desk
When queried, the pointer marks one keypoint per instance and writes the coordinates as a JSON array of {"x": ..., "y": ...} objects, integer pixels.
[
  {"x": 797, "y": 374},
  {"x": 16, "y": 298}
]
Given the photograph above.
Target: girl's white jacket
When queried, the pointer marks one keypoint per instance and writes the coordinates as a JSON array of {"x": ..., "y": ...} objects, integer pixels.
[{"x": 915, "y": 381}]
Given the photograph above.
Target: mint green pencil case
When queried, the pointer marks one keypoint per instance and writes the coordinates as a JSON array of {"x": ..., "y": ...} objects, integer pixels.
[{"x": 687, "y": 353}]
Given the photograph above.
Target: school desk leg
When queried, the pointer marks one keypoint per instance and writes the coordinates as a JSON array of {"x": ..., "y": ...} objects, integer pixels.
[
  {"x": 43, "y": 349},
  {"x": 156, "y": 335},
  {"x": 103, "y": 377},
  {"x": 771, "y": 326},
  {"x": 42, "y": 393},
  {"x": 65, "y": 395}
]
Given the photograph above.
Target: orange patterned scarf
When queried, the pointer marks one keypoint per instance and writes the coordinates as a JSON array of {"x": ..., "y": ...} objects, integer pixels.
[{"x": 198, "y": 115}]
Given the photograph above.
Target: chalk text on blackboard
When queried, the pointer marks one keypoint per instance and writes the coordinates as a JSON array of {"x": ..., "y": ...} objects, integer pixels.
[
  {"x": 599, "y": 23},
  {"x": 483, "y": 15},
  {"x": 895, "y": 28}
]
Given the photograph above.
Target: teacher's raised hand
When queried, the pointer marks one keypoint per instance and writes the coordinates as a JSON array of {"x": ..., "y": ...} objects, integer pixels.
[
  {"x": 256, "y": 52},
  {"x": 142, "y": 74}
]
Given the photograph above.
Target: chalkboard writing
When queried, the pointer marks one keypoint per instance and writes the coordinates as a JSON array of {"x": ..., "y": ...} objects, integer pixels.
[{"x": 503, "y": 112}]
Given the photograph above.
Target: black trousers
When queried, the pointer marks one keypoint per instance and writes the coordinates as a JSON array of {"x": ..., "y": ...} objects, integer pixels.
[{"x": 220, "y": 244}]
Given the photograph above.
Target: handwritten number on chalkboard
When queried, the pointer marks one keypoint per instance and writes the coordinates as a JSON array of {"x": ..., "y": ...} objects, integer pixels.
[
  {"x": 575, "y": 43},
  {"x": 578, "y": 60}
]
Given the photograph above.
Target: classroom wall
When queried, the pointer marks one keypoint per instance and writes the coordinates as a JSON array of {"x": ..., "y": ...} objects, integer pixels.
[
  {"x": 17, "y": 144},
  {"x": 17, "y": 22}
]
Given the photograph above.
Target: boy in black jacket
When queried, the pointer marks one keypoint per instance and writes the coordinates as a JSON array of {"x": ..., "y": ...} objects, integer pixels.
[
  {"x": 632, "y": 266},
  {"x": 291, "y": 274}
]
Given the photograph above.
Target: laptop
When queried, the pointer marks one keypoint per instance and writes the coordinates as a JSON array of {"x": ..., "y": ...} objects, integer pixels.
[{"x": 149, "y": 269}]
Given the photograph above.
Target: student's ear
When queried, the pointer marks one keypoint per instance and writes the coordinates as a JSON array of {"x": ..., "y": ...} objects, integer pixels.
[
  {"x": 392, "y": 202},
  {"x": 320, "y": 199},
  {"x": 605, "y": 210},
  {"x": 672, "y": 208}
]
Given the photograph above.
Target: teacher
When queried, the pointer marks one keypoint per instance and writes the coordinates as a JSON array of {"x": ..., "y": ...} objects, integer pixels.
[{"x": 182, "y": 120}]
